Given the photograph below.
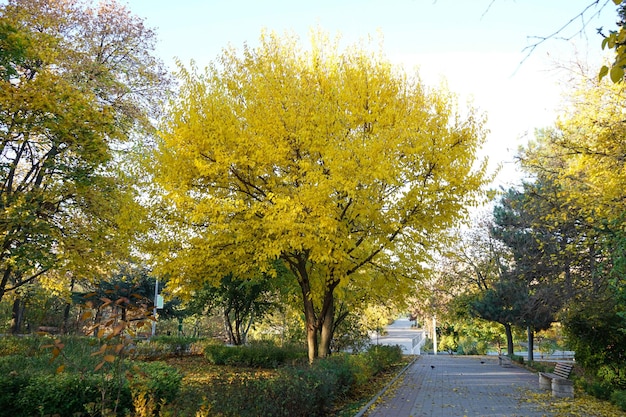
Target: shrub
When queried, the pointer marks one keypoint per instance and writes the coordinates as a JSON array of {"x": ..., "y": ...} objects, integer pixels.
[
  {"x": 157, "y": 380},
  {"x": 257, "y": 355},
  {"x": 363, "y": 368},
  {"x": 517, "y": 358},
  {"x": 343, "y": 369},
  {"x": 217, "y": 354},
  {"x": 541, "y": 366},
  {"x": 165, "y": 346},
  {"x": 599, "y": 389},
  {"x": 12, "y": 384},
  {"x": 301, "y": 390},
  {"x": 26, "y": 345},
  {"x": 384, "y": 356},
  {"x": 619, "y": 399},
  {"x": 35, "y": 390},
  {"x": 66, "y": 394},
  {"x": 292, "y": 392}
]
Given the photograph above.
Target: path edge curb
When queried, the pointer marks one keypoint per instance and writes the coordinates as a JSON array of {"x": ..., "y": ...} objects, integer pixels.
[{"x": 385, "y": 388}]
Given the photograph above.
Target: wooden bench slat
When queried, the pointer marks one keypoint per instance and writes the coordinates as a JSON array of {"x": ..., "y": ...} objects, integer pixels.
[{"x": 563, "y": 369}]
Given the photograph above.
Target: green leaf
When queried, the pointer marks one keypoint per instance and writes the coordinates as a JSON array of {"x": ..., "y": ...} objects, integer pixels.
[
  {"x": 617, "y": 73},
  {"x": 603, "y": 72},
  {"x": 611, "y": 40}
]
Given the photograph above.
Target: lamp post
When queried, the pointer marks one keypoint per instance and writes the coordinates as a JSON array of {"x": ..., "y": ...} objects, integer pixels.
[
  {"x": 435, "y": 334},
  {"x": 154, "y": 310}
]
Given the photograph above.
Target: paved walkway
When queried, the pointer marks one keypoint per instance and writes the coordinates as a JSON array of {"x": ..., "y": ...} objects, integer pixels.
[
  {"x": 402, "y": 334},
  {"x": 450, "y": 386}
]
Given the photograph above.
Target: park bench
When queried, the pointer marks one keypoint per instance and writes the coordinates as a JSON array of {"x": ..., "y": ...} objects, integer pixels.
[
  {"x": 557, "y": 380},
  {"x": 505, "y": 361}
]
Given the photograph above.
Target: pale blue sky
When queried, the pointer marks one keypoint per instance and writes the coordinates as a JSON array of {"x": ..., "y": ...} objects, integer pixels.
[{"x": 475, "y": 45}]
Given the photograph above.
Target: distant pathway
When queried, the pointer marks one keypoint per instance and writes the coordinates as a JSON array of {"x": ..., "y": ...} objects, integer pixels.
[
  {"x": 401, "y": 333},
  {"x": 450, "y": 386}
]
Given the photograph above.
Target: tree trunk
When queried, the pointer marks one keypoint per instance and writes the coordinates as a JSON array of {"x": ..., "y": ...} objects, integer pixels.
[
  {"x": 239, "y": 340},
  {"x": 531, "y": 344},
  {"x": 509, "y": 339},
  {"x": 229, "y": 328},
  {"x": 17, "y": 315},
  {"x": 4, "y": 282},
  {"x": 298, "y": 265},
  {"x": 66, "y": 311},
  {"x": 328, "y": 316},
  {"x": 311, "y": 329}
]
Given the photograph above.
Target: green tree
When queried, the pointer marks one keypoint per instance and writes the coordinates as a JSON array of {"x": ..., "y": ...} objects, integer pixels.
[
  {"x": 530, "y": 285},
  {"x": 583, "y": 156},
  {"x": 478, "y": 264},
  {"x": 337, "y": 163},
  {"x": 78, "y": 85},
  {"x": 240, "y": 302}
]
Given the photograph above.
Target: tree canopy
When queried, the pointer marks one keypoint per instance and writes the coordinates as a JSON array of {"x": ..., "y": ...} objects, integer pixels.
[
  {"x": 335, "y": 162},
  {"x": 78, "y": 83}
]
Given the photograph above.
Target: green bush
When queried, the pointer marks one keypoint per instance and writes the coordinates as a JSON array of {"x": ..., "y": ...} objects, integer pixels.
[
  {"x": 294, "y": 391},
  {"x": 24, "y": 364},
  {"x": 66, "y": 394},
  {"x": 599, "y": 389},
  {"x": 384, "y": 356},
  {"x": 257, "y": 355},
  {"x": 363, "y": 368},
  {"x": 11, "y": 385},
  {"x": 166, "y": 346},
  {"x": 33, "y": 390},
  {"x": 158, "y": 380},
  {"x": 343, "y": 369},
  {"x": 217, "y": 354},
  {"x": 470, "y": 346},
  {"x": 26, "y": 345},
  {"x": 541, "y": 366},
  {"x": 619, "y": 399},
  {"x": 517, "y": 358}
]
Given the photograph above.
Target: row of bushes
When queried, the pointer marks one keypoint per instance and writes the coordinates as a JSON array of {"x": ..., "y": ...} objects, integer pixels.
[
  {"x": 31, "y": 383},
  {"x": 161, "y": 347},
  {"x": 303, "y": 390},
  {"x": 27, "y": 393},
  {"x": 255, "y": 355},
  {"x": 604, "y": 391}
]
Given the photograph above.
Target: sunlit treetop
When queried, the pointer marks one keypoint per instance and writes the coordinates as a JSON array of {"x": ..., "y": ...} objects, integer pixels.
[
  {"x": 334, "y": 161},
  {"x": 584, "y": 152}
]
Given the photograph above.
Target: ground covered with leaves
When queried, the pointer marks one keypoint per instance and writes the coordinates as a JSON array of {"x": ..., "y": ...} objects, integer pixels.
[{"x": 583, "y": 405}]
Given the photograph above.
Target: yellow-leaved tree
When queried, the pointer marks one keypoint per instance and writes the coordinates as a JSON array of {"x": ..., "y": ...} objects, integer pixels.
[
  {"x": 333, "y": 162},
  {"x": 80, "y": 88},
  {"x": 584, "y": 153}
]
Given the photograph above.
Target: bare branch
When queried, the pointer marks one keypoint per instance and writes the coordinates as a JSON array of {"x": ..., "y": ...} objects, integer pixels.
[{"x": 556, "y": 34}]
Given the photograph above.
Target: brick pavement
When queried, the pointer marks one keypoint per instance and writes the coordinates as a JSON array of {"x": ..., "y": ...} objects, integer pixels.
[{"x": 450, "y": 386}]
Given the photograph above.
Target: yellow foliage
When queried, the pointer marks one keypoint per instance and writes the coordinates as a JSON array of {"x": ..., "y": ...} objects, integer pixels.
[
  {"x": 582, "y": 405},
  {"x": 335, "y": 162},
  {"x": 336, "y": 154},
  {"x": 585, "y": 151}
]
